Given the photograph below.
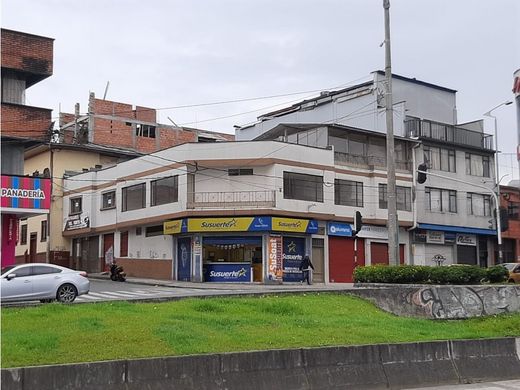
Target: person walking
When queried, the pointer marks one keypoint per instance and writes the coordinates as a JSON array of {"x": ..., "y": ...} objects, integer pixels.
[{"x": 306, "y": 267}]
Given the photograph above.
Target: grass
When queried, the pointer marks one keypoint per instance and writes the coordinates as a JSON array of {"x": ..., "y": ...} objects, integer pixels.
[{"x": 55, "y": 333}]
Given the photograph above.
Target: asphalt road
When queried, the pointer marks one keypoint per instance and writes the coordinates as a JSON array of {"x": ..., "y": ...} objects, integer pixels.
[{"x": 502, "y": 385}]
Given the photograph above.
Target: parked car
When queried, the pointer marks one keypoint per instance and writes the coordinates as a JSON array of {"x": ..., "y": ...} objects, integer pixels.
[
  {"x": 41, "y": 281},
  {"x": 514, "y": 272}
]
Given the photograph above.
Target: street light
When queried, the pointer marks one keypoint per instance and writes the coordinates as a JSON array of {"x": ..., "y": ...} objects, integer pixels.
[{"x": 497, "y": 181}]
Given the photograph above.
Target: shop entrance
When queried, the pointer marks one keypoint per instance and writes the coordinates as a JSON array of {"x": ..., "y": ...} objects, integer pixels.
[
  {"x": 466, "y": 254},
  {"x": 184, "y": 259},
  {"x": 342, "y": 258},
  {"x": 32, "y": 247},
  {"x": 379, "y": 253},
  {"x": 318, "y": 255}
]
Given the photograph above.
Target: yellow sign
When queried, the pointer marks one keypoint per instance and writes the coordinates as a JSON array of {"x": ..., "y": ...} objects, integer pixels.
[
  {"x": 231, "y": 224},
  {"x": 172, "y": 227},
  {"x": 290, "y": 225}
]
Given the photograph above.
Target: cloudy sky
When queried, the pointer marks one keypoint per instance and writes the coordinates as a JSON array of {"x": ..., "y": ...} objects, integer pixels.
[{"x": 171, "y": 53}]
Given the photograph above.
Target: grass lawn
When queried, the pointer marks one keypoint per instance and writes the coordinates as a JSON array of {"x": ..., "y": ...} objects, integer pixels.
[{"x": 57, "y": 333}]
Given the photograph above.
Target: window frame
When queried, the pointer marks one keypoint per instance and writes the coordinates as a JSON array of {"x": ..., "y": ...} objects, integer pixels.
[
  {"x": 452, "y": 194},
  {"x": 358, "y": 191},
  {"x": 124, "y": 202},
  {"x": 292, "y": 181},
  {"x": 406, "y": 191},
  {"x": 114, "y": 198},
  {"x": 153, "y": 191},
  {"x": 44, "y": 231},
  {"x": 23, "y": 234},
  {"x": 486, "y": 202},
  {"x": 73, "y": 210}
]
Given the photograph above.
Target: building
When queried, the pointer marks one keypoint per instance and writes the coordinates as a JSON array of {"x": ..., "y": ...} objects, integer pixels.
[
  {"x": 451, "y": 218},
  {"x": 126, "y": 126},
  {"x": 41, "y": 237},
  {"x": 510, "y": 203},
  {"x": 27, "y": 59},
  {"x": 235, "y": 211}
]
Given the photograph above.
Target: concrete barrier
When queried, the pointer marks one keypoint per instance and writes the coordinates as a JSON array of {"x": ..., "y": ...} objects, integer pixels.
[
  {"x": 394, "y": 366},
  {"x": 442, "y": 302}
]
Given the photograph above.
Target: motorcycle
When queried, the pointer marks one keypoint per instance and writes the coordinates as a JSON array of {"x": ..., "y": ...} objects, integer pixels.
[{"x": 117, "y": 273}]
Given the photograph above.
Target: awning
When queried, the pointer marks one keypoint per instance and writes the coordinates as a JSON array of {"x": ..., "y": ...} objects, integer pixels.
[{"x": 458, "y": 229}]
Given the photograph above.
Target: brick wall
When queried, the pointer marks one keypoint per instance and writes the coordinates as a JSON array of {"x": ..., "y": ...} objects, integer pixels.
[
  {"x": 25, "y": 121},
  {"x": 512, "y": 195},
  {"x": 147, "y": 268}
]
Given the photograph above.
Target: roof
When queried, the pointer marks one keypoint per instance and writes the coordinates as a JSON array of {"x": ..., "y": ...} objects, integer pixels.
[
  {"x": 415, "y": 81},
  {"x": 95, "y": 148}
]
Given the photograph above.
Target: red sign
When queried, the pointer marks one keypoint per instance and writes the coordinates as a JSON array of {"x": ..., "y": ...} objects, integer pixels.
[
  {"x": 24, "y": 192},
  {"x": 516, "y": 86}
]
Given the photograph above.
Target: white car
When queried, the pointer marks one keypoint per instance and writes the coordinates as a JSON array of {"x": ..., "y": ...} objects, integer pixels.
[{"x": 41, "y": 281}]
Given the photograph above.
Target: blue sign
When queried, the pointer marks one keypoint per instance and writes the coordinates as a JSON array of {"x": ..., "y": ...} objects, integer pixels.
[
  {"x": 293, "y": 252},
  {"x": 312, "y": 227},
  {"x": 184, "y": 259},
  {"x": 261, "y": 224},
  {"x": 339, "y": 229},
  {"x": 226, "y": 272}
]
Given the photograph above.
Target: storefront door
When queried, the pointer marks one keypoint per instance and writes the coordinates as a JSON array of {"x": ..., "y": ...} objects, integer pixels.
[
  {"x": 379, "y": 253},
  {"x": 342, "y": 258},
  {"x": 108, "y": 249},
  {"x": 293, "y": 252},
  {"x": 32, "y": 247},
  {"x": 184, "y": 259},
  {"x": 318, "y": 255}
]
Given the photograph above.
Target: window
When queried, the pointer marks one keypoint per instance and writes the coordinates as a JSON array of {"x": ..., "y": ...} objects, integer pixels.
[
  {"x": 478, "y": 204},
  {"x": 43, "y": 231},
  {"x": 134, "y": 197},
  {"x": 75, "y": 206},
  {"x": 240, "y": 172},
  {"x": 145, "y": 131},
  {"x": 165, "y": 190},
  {"x": 403, "y": 197},
  {"x": 477, "y": 165},
  {"x": 348, "y": 193},
  {"x": 44, "y": 269},
  {"x": 205, "y": 139},
  {"x": 302, "y": 187},
  {"x": 152, "y": 231},
  {"x": 123, "y": 244},
  {"x": 440, "y": 159},
  {"x": 23, "y": 235},
  {"x": 512, "y": 210},
  {"x": 441, "y": 200},
  {"x": 109, "y": 200},
  {"x": 24, "y": 271}
]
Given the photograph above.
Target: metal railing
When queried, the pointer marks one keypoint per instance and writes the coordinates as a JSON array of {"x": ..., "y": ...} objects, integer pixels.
[
  {"x": 421, "y": 128},
  {"x": 231, "y": 199},
  {"x": 347, "y": 159}
]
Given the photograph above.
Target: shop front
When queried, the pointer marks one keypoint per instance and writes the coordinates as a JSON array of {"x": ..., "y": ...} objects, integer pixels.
[
  {"x": 240, "y": 249},
  {"x": 376, "y": 244},
  {"x": 345, "y": 252}
]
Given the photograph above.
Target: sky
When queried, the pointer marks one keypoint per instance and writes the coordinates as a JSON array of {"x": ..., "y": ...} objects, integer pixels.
[{"x": 258, "y": 55}]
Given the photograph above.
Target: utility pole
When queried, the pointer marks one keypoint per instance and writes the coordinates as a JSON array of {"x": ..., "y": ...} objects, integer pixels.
[{"x": 392, "y": 224}]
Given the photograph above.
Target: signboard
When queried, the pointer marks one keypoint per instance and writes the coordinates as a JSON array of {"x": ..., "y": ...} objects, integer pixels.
[
  {"x": 197, "y": 257},
  {"x": 368, "y": 231},
  {"x": 184, "y": 259},
  {"x": 24, "y": 192},
  {"x": 274, "y": 261},
  {"x": 450, "y": 238},
  {"x": 419, "y": 235},
  {"x": 467, "y": 239},
  {"x": 227, "y": 272},
  {"x": 339, "y": 229},
  {"x": 77, "y": 221},
  {"x": 172, "y": 227},
  {"x": 293, "y": 252},
  {"x": 294, "y": 225},
  {"x": 434, "y": 237}
]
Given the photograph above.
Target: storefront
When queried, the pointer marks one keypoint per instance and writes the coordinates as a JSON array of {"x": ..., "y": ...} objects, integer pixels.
[
  {"x": 376, "y": 244},
  {"x": 240, "y": 249},
  {"x": 345, "y": 252},
  {"x": 445, "y": 245}
]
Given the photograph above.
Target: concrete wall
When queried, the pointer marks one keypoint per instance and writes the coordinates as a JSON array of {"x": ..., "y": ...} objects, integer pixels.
[
  {"x": 383, "y": 366},
  {"x": 444, "y": 302}
]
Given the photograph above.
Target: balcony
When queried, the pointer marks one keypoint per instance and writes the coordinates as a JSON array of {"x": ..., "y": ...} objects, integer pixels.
[
  {"x": 447, "y": 133},
  {"x": 231, "y": 200},
  {"x": 368, "y": 162}
]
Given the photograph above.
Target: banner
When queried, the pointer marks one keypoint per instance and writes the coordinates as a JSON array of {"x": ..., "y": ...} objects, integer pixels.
[
  {"x": 339, "y": 229},
  {"x": 184, "y": 259},
  {"x": 227, "y": 272},
  {"x": 294, "y": 225},
  {"x": 274, "y": 262},
  {"x": 25, "y": 192},
  {"x": 293, "y": 252}
]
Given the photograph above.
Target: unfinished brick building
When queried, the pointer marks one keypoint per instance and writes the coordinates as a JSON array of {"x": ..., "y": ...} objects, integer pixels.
[{"x": 122, "y": 125}]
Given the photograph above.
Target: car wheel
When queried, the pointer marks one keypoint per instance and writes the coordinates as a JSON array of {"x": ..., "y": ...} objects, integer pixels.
[
  {"x": 46, "y": 300},
  {"x": 66, "y": 293},
  {"x": 510, "y": 281}
]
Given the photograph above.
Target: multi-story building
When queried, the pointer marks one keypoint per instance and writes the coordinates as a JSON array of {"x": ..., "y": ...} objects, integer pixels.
[
  {"x": 510, "y": 203},
  {"x": 451, "y": 219},
  {"x": 26, "y": 60}
]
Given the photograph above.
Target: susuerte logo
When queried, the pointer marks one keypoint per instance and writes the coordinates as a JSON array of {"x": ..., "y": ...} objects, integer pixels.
[
  {"x": 219, "y": 225},
  {"x": 228, "y": 274},
  {"x": 20, "y": 193}
]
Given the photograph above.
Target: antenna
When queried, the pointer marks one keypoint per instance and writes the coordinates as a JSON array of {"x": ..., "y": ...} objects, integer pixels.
[{"x": 106, "y": 90}]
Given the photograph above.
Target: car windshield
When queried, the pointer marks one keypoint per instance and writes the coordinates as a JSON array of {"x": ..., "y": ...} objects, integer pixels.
[
  {"x": 7, "y": 269},
  {"x": 509, "y": 266}
]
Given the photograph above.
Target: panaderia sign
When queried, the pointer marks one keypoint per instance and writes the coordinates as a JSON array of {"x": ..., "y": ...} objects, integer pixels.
[{"x": 25, "y": 192}]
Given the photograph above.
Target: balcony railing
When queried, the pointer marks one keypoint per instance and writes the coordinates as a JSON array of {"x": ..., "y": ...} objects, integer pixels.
[
  {"x": 231, "y": 199},
  {"x": 447, "y": 133},
  {"x": 369, "y": 162}
]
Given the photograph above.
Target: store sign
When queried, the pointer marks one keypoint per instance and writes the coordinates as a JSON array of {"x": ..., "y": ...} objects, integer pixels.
[
  {"x": 434, "y": 237},
  {"x": 173, "y": 227},
  {"x": 450, "y": 238},
  {"x": 227, "y": 273},
  {"x": 24, "y": 192},
  {"x": 293, "y": 252},
  {"x": 419, "y": 235},
  {"x": 294, "y": 225},
  {"x": 78, "y": 221},
  {"x": 368, "y": 231},
  {"x": 274, "y": 262},
  {"x": 339, "y": 229},
  {"x": 467, "y": 239}
]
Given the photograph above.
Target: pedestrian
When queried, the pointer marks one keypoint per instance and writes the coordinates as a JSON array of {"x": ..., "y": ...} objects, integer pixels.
[{"x": 306, "y": 267}]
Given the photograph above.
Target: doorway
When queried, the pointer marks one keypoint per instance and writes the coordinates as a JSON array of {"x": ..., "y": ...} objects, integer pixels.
[
  {"x": 108, "y": 250},
  {"x": 33, "y": 247},
  {"x": 379, "y": 253},
  {"x": 318, "y": 254}
]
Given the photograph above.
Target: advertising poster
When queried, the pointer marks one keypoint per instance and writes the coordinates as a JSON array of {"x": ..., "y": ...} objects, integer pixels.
[
  {"x": 227, "y": 272},
  {"x": 274, "y": 265},
  {"x": 293, "y": 252},
  {"x": 184, "y": 259}
]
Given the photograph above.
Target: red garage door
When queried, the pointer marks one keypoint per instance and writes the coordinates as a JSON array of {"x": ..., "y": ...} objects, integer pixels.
[
  {"x": 341, "y": 258},
  {"x": 379, "y": 253}
]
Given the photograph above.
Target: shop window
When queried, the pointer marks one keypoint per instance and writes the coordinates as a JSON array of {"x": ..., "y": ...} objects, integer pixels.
[
  {"x": 134, "y": 197},
  {"x": 479, "y": 205},
  {"x": 240, "y": 172},
  {"x": 23, "y": 234},
  {"x": 43, "y": 231},
  {"x": 75, "y": 206},
  {"x": 440, "y": 158},
  {"x": 441, "y": 200},
  {"x": 123, "y": 244},
  {"x": 165, "y": 190},
  {"x": 303, "y": 187},
  {"x": 348, "y": 193},
  {"x": 478, "y": 165},
  {"x": 403, "y": 197},
  {"x": 152, "y": 231},
  {"x": 145, "y": 131},
  {"x": 108, "y": 200}
]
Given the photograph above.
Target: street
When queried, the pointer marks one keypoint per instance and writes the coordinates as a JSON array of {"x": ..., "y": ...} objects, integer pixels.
[{"x": 502, "y": 385}]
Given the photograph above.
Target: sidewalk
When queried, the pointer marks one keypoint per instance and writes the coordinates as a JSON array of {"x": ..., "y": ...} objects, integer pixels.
[{"x": 252, "y": 287}]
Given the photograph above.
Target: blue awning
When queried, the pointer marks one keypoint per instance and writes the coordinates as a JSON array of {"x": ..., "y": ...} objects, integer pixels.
[{"x": 458, "y": 229}]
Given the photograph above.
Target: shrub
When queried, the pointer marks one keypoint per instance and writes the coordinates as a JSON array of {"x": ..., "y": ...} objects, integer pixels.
[{"x": 497, "y": 274}]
